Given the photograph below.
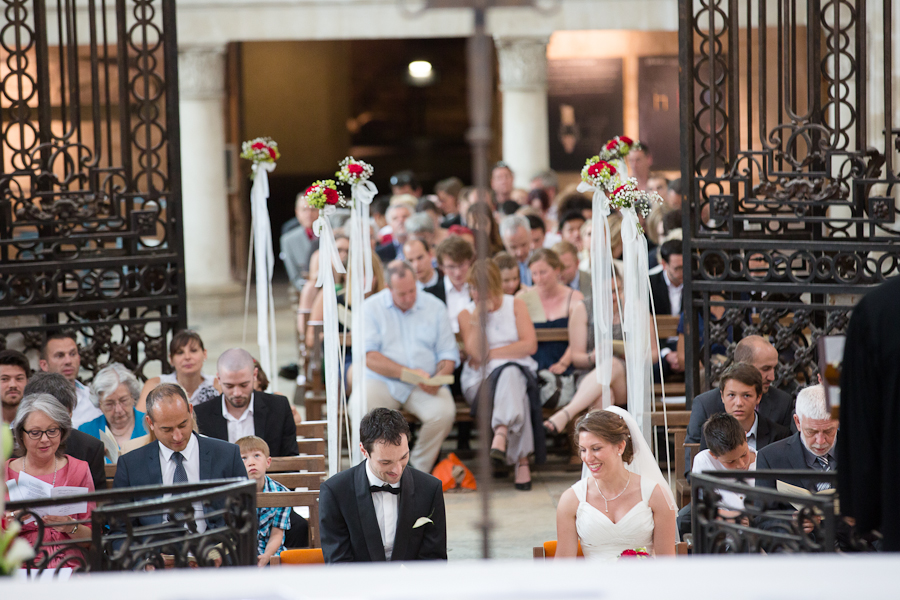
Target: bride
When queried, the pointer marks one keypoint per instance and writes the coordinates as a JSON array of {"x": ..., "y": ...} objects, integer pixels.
[{"x": 622, "y": 501}]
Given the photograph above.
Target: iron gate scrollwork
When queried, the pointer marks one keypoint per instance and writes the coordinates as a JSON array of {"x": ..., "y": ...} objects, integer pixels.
[
  {"x": 790, "y": 188},
  {"x": 90, "y": 191}
]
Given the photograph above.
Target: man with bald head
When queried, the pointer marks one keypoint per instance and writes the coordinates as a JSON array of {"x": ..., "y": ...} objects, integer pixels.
[
  {"x": 776, "y": 405},
  {"x": 239, "y": 411}
]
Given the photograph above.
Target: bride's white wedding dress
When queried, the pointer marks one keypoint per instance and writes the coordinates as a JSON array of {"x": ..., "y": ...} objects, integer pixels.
[{"x": 604, "y": 540}]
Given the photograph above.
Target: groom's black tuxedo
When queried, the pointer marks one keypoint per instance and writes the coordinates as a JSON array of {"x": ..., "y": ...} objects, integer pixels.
[{"x": 349, "y": 527}]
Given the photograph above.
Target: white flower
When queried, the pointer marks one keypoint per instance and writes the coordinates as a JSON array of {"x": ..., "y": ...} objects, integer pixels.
[{"x": 422, "y": 521}]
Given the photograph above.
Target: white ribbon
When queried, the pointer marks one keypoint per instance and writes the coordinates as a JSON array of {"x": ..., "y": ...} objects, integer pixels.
[
  {"x": 360, "y": 262},
  {"x": 265, "y": 264},
  {"x": 328, "y": 258},
  {"x": 601, "y": 279},
  {"x": 636, "y": 325}
]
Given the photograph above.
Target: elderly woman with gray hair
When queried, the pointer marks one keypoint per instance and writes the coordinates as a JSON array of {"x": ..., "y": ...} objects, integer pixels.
[
  {"x": 116, "y": 392},
  {"x": 40, "y": 430}
]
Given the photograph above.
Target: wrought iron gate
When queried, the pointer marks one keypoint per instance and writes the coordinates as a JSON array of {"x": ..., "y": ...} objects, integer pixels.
[
  {"x": 791, "y": 195},
  {"x": 90, "y": 188}
]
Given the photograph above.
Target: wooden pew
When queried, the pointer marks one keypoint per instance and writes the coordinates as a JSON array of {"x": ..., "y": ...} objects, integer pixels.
[
  {"x": 292, "y": 481},
  {"x": 287, "y": 464},
  {"x": 293, "y": 499}
]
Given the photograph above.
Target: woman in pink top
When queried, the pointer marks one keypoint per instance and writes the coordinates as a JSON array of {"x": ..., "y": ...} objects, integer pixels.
[{"x": 40, "y": 430}]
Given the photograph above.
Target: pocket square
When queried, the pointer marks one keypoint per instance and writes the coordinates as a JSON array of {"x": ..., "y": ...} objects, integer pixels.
[{"x": 422, "y": 521}]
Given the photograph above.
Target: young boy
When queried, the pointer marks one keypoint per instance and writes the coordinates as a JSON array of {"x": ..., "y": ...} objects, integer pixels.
[{"x": 273, "y": 522}]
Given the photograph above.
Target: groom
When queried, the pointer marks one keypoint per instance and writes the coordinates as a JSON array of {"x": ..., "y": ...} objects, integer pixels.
[{"x": 380, "y": 509}]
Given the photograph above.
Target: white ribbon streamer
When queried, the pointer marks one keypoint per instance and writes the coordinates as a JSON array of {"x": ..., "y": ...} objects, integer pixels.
[
  {"x": 265, "y": 265},
  {"x": 601, "y": 279},
  {"x": 360, "y": 262},
  {"x": 328, "y": 258},
  {"x": 636, "y": 325}
]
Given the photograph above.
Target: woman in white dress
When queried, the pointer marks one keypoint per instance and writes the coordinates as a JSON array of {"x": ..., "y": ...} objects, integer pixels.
[
  {"x": 622, "y": 502},
  {"x": 186, "y": 355},
  {"x": 510, "y": 339}
]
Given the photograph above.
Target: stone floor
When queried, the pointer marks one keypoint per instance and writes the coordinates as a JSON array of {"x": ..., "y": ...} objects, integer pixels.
[{"x": 520, "y": 520}]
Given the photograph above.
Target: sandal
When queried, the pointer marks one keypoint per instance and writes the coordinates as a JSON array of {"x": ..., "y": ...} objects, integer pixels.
[
  {"x": 498, "y": 457},
  {"x": 550, "y": 427},
  {"x": 525, "y": 485}
]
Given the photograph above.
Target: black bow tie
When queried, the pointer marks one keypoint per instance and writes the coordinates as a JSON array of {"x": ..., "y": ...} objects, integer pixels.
[{"x": 384, "y": 488}]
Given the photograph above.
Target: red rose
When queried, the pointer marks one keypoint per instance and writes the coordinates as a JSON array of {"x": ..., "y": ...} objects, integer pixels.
[
  {"x": 354, "y": 169},
  {"x": 272, "y": 153},
  {"x": 310, "y": 190},
  {"x": 627, "y": 140},
  {"x": 331, "y": 196},
  {"x": 629, "y": 553},
  {"x": 618, "y": 189},
  {"x": 611, "y": 144},
  {"x": 258, "y": 146}
]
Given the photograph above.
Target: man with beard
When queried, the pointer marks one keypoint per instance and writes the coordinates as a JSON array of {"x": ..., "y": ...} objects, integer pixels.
[
  {"x": 14, "y": 372},
  {"x": 239, "y": 411}
]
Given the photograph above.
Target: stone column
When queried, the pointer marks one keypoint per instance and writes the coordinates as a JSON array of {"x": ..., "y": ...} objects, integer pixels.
[
  {"x": 523, "y": 82},
  {"x": 201, "y": 79}
]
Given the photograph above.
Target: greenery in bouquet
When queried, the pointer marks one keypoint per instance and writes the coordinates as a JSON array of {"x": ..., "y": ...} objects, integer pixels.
[
  {"x": 354, "y": 171},
  {"x": 260, "y": 150},
  {"x": 13, "y": 550},
  {"x": 628, "y": 196},
  {"x": 617, "y": 148},
  {"x": 598, "y": 173},
  {"x": 324, "y": 193}
]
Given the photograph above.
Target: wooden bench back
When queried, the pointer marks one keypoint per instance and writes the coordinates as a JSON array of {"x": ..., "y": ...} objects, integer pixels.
[
  {"x": 292, "y": 481},
  {"x": 284, "y": 464},
  {"x": 293, "y": 499}
]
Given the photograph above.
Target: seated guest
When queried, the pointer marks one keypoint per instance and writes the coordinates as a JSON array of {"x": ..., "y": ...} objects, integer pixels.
[
  {"x": 570, "y": 228},
  {"x": 14, "y": 373},
  {"x": 405, "y": 183},
  {"x": 40, "y": 431},
  {"x": 584, "y": 257},
  {"x": 813, "y": 447},
  {"x": 539, "y": 237},
  {"x": 447, "y": 191},
  {"x": 410, "y": 331},
  {"x": 550, "y": 304},
  {"x": 187, "y": 355},
  {"x": 178, "y": 455},
  {"x": 421, "y": 226},
  {"x": 480, "y": 219},
  {"x": 455, "y": 255},
  {"x": 78, "y": 444},
  {"x": 378, "y": 212},
  {"x": 381, "y": 510},
  {"x": 571, "y": 275},
  {"x": 428, "y": 207},
  {"x": 419, "y": 255},
  {"x": 776, "y": 405},
  {"x": 666, "y": 289},
  {"x": 116, "y": 391},
  {"x": 539, "y": 200},
  {"x": 396, "y": 217},
  {"x": 298, "y": 244},
  {"x": 516, "y": 234},
  {"x": 507, "y": 208},
  {"x": 272, "y": 522},
  {"x": 509, "y": 371},
  {"x": 240, "y": 411},
  {"x": 59, "y": 354},
  {"x": 741, "y": 388},
  {"x": 509, "y": 273}
]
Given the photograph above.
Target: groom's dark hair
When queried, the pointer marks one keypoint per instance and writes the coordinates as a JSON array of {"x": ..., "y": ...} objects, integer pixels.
[
  {"x": 723, "y": 434},
  {"x": 382, "y": 425}
]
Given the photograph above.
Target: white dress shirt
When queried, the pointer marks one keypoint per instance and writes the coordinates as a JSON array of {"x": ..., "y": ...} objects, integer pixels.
[
  {"x": 85, "y": 410},
  {"x": 239, "y": 427},
  {"x": 433, "y": 280},
  {"x": 674, "y": 294},
  {"x": 751, "y": 435},
  {"x": 705, "y": 461},
  {"x": 191, "y": 464},
  {"x": 456, "y": 301},
  {"x": 385, "y": 511}
]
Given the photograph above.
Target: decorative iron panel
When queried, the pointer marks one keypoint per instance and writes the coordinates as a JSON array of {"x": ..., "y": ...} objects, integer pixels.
[
  {"x": 790, "y": 197},
  {"x": 90, "y": 192}
]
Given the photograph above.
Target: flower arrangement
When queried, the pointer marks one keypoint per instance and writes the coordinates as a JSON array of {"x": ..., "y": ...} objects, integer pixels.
[
  {"x": 639, "y": 553},
  {"x": 13, "y": 550},
  {"x": 617, "y": 148},
  {"x": 260, "y": 150},
  {"x": 354, "y": 171},
  {"x": 598, "y": 172},
  {"x": 324, "y": 193}
]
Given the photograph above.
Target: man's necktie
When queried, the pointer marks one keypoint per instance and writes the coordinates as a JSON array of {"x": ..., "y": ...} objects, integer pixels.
[
  {"x": 384, "y": 488},
  {"x": 823, "y": 464},
  {"x": 180, "y": 474}
]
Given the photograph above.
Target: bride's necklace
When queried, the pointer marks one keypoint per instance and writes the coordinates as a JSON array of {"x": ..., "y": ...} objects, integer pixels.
[
  {"x": 25, "y": 467},
  {"x": 608, "y": 500}
]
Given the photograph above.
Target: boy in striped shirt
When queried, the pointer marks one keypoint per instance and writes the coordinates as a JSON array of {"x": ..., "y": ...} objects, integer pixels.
[{"x": 273, "y": 522}]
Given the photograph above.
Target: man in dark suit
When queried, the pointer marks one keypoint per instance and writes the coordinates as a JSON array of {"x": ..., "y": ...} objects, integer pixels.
[
  {"x": 666, "y": 288},
  {"x": 239, "y": 411},
  {"x": 392, "y": 249},
  {"x": 812, "y": 448},
  {"x": 178, "y": 455},
  {"x": 381, "y": 509},
  {"x": 420, "y": 256},
  {"x": 776, "y": 405},
  {"x": 79, "y": 444},
  {"x": 741, "y": 390}
]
